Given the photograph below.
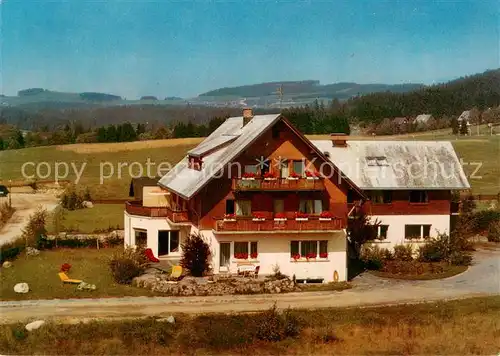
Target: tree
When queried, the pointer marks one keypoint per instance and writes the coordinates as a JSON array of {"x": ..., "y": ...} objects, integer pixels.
[
  {"x": 1, "y": 144},
  {"x": 102, "y": 135},
  {"x": 35, "y": 226},
  {"x": 455, "y": 126},
  {"x": 19, "y": 137},
  {"x": 195, "y": 254},
  {"x": 464, "y": 128},
  {"x": 141, "y": 128},
  {"x": 361, "y": 229}
]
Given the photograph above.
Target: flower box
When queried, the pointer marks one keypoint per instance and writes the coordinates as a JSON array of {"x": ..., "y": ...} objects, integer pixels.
[
  {"x": 301, "y": 219},
  {"x": 325, "y": 219},
  {"x": 279, "y": 219},
  {"x": 230, "y": 217},
  {"x": 292, "y": 178},
  {"x": 241, "y": 256},
  {"x": 312, "y": 178},
  {"x": 270, "y": 179},
  {"x": 323, "y": 255},
  {"x": 254, "y": 255},
  {"x": 269, "y": 176},
  {"x": 229, "y": 220},
  {"x": 311, "y": 256},
  {"x": 296, "y": 256},
  {"x": 248, "y": 178},
  {"x": 258, "y": 219}
]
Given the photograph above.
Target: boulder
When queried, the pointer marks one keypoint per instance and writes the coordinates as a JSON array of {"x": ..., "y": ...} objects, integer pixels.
[
  {"x": 87, "y": 204},
  {"x": 170, "y": 319},
  {"x": 34, "y": 325},
  {"x": 31, "y": 251},
  {"x": 7, "y": 264},
  {"x": 21, "y": 288}
]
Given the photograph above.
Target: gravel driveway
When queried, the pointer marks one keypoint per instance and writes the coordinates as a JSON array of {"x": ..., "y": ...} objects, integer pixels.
[{"x": 481, "y": 279}]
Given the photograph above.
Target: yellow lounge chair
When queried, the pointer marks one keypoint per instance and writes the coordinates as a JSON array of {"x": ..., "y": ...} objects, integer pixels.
[
  {"x": 176, "y": 272},
  {"x": 65, "y": 279}
]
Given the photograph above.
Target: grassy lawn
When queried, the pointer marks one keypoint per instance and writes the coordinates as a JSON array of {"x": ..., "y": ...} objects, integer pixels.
[
  {"x": 448, "y": 271},
  {"x": 40, "y": 272},
  {"x": 470, "y": 326},
  {"x": 483, "y": 149},
  {"x": 100, "y": 217}
]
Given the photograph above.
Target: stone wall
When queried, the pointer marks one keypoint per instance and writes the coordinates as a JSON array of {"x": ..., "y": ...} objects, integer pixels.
[{"x": 202, "y": 286}]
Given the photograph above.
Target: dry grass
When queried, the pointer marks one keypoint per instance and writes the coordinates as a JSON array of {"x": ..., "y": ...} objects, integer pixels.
[
  {"x": 86, "y": 148},
  {"x": 470, "y": 326}
]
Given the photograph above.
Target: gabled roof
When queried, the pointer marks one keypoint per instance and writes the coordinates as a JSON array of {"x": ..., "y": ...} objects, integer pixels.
[
  {"x": 464, "y": 115},
  {"x": 218, "y": 151},
  {"x": 398, "y": 164},
  {"x": 422, "y": 118},
  {"x": 186, "y": 181}
]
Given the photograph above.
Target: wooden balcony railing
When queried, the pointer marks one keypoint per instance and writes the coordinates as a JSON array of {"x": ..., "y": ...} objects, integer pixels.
[
  {"x": 249, "y": 224},
  {"x": 283, "y": 184},
  {"x": 136, "y": 208}
]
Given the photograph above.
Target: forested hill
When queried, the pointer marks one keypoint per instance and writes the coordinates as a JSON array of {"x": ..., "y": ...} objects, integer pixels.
[
  {"x": 450, "y": 99},
  {"x": 308, "y": 88}
]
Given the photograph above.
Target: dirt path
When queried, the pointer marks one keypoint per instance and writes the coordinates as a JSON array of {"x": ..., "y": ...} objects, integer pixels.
[
  {"x": 481, "y": 279},
  {"x": 25, "y": 204}
]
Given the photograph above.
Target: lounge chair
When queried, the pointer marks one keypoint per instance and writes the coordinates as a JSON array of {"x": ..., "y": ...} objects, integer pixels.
[
  {"x": 256, "y": 275},
  {"x": 176, "y": 272},
  {"x": 150, "y": 256},
  {"x": 65, "y": 279}
]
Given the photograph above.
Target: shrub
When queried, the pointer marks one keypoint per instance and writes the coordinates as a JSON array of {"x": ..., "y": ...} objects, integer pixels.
[
  {"x": 373, "y": 257},
  {"x": 127, "y": 265},
  {"x": 404, "y": 267},
  {"x": 453, "y": 249},
  {"x": 35, "y": 227},
  {"x": 403, "y": 253},
  {"x": 11, "y": 250},
  {"x": 72, "y": 200},
  {"x": 195, "y": 255},
  {"x": 494, "y": 232},
  {"x": 6, "y": 212},
  {"x": 460, "y": 258},
  {"x": 433, "y": 251},
  {"x": 484, "y": 219},
  {"x": 273, "y": 326}
]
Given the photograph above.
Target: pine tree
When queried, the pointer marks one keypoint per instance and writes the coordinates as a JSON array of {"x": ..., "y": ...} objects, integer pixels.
[{"x": 455, "y": 126}]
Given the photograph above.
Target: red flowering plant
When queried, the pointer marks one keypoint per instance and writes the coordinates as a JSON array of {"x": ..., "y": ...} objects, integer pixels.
[
  {"x": 294, "y": 175},
  {"x": 301, "y": 215},
  {"x": 254, "y": 255},
  {"x": 269, "y": 175},
  {"x": 248, "y": 175},
  {"x": 65, "y": 267},
  {"x": 323, "y": 255},
  {"x": 326, "y": 215},
  {"x": 280, "y": 216},
  {"x": 313, "y": 174},
  {"x": 311, "y": 255},
  {"x": 241, "y": 256},
  {"x": 296, "y": 256},
  {"x": 229, "y": 216},
  {"x": 258, "y": 215}
]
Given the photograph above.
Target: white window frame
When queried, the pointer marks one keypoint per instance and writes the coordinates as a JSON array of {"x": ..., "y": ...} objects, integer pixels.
[
  {"x": 379, "y": 232},
  {"x": 318, "y": 243},
  {"x": 422, "y": 237}
]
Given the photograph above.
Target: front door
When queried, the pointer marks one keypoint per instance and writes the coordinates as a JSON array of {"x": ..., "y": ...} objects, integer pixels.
[{"x": 225, "y": 256}]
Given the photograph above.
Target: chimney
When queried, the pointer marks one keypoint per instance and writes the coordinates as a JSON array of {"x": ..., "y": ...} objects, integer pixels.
[
  {"x": 247, "y": 116},
  {"x": 339, "y": 139}
]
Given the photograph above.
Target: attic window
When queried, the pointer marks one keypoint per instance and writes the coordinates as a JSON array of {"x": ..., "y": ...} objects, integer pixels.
[{"x": 374, "y": 161}]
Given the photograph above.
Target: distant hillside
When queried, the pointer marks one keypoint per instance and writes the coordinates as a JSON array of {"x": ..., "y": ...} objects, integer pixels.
[
  {"x": 449, "y": 99},
  {"x": 308, "y": 88}
]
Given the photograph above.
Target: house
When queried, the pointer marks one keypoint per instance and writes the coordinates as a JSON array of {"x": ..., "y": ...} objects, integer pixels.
[
  {"x": 259, "y": 191},
  {"x": 422, "y": 119},
  {"x": 408, "y": 185},
  {"x": 400, "y": 121}
]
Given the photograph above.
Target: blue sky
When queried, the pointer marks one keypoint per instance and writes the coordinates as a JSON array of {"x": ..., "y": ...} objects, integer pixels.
[{"x": 165, "y": 48}]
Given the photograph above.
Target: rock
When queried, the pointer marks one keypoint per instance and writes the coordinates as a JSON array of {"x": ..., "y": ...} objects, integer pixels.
[
  {"x": 34, "y": 325},
  {"x": 86, "y": 286},
  {"x": 7, "y": 264},
  {"x": 170, "y": 319},
  {"x": 31, "y": 251},
  {"x": 87, "y": 204},
  {"x": 21, "y": 288}
]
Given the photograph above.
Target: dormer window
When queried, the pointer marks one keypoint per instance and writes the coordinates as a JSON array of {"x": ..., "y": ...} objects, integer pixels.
[{"x": 376, "y": 161}]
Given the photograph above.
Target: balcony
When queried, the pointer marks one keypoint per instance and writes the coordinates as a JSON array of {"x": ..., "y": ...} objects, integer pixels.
[
  {"x": 241, "y": 224},
  {"x": 277, "y": 184},
  {"x": 136, "y": 208}
]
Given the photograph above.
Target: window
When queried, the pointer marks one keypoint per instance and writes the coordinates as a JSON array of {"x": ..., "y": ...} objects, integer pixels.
[
  {"x": 230, "y": 206},
  {"x": 311, "y": 248},
  {"x": 278, "y": 206},
  {"x": 284, "y": 170},
  {"x": 245, "y": 249},
  {"x": 250, "y": 168},
  {"x": 418, "y": 196},
  {"x": 168, "y": 242},
  {"x": 141, "y": 237},
  {"x": 243, "y": 207},
  {"x": 298, "y": 167},
  {"x": 381, "y": 196},
  {"x": 382, "y": 232},
  {"x": 310, "y": 206},
  {"x": 417, "y": 231}
]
